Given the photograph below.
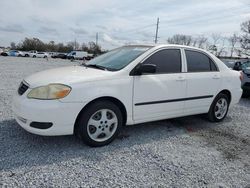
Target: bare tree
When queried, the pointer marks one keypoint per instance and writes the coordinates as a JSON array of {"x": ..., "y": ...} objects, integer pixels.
[
  {"x": 221, "y": 47},
  {"x": 181, "y": 39},
  {"x": 232, "y": 41},
  {"x": 245, "y": 38},
  {"x": 201, "y": 41},
  {"x": 217, "y": 47}
]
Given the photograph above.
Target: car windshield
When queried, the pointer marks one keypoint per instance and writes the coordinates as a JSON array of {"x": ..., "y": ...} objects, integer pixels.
[{"x": 117, "y": 59}]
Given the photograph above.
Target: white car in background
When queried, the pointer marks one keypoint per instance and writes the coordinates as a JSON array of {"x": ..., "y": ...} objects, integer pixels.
[
  {"x": 42, "y": 55},
  {"x": 31, "y": 53},
  {"x": 128, "y": 85},
  {"x": 77, "y": 55}
]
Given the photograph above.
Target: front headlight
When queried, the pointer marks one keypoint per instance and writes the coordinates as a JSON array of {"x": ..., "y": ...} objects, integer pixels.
[{"x": 49, "y": 92}]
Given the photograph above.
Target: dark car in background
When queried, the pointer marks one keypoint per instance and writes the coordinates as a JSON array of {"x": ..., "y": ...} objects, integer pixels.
[
  {"x": 60, "y": 55},
  {"x": 245, "y": 68}
]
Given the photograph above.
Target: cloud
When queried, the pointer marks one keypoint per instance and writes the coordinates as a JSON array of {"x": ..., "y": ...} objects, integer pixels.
[
  {"x": 79, "y": 31},
  {"x": 48, "y": 30},
  {"x": 117, "y": 22},
  {"x": 15, "y": 28}
]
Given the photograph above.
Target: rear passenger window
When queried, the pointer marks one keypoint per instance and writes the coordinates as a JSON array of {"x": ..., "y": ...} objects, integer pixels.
[
  {"x": 166, "y": 61},
  {"x": 199, "y": 62}
]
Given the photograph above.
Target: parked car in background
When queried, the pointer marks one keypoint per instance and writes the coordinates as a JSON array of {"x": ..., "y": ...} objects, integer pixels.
[
  {"x": 15, "y": 53},
  {"x": 31, "y": 53},
  {"x": 89, "y": 57},
  {"x": 77, "y": 55},
  {"x": 244, "y": 67},
  {"x": 60, "y": 55},
  {"x": 4, "y": 54},
  {"x": 42, "y": 55},
  {"x": 125, "y": 86}
]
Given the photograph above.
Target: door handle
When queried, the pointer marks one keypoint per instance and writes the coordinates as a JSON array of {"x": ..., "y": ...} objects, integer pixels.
[
  {"x": 216, "y": 77},
  {"x": 180, "y": 78}
]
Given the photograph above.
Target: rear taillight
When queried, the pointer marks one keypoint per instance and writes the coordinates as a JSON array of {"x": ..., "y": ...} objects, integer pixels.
[{"x": 241, "y": 75}]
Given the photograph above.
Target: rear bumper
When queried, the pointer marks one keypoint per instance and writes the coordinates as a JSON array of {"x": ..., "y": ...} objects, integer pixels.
[
  {"x": 236, "y": 96},
  {"x": 49, "y": 117}
]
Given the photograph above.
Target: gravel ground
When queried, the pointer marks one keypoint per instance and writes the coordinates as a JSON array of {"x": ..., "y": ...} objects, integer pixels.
[{"x": 183, "y": 152}]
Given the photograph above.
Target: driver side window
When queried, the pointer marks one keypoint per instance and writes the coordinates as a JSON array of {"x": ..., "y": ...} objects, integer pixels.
[{"x": 166, "y": 61}]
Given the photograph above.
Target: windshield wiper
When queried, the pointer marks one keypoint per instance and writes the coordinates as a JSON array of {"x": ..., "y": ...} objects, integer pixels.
[
  {"x": 98, "y": 67},
  {"x": 95, "y": 66}
]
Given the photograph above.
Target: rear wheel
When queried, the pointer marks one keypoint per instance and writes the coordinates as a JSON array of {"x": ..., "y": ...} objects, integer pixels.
[
  {"x": 100, "y": 123},
  {"x": 219, "y": 108},
  {"x": 34, "y": 56}
]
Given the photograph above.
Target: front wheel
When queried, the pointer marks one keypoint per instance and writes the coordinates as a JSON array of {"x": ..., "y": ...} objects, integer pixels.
[
  {"x": 219, "y": 108},
  {"x": 100, "y": 123}
]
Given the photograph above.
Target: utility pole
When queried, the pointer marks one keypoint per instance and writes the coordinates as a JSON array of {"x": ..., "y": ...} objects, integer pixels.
[
  {"x": 157, "y": 29},
  {"x": 75, "y": 45},
  {"x": 96, "y": 39}
]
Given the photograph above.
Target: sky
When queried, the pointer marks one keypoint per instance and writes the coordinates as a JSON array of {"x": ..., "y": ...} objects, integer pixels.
[{"x": 118, "y": 22}]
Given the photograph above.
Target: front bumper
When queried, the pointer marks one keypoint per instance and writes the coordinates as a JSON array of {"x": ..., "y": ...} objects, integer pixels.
[{"x": 62, "y": 115}]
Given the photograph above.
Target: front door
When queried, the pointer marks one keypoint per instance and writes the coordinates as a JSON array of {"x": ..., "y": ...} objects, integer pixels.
[{"x": 160, "y": 95}]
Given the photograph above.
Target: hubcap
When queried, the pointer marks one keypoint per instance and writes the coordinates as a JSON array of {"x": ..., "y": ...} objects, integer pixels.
[
  {"x": 102, "y": 125},
  {"x": 221, "y": 108}
]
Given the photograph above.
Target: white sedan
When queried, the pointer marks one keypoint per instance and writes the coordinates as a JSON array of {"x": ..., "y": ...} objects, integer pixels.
[
  {"x": 41, "y": 55},
  {"x": 128, "y": 85}
]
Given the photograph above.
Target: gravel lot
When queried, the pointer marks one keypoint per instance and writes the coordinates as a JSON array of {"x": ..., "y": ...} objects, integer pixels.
[{"x": 183, "y": 152}]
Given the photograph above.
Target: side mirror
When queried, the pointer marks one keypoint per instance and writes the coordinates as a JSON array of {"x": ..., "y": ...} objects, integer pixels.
[{"x": 145, "y": 68}]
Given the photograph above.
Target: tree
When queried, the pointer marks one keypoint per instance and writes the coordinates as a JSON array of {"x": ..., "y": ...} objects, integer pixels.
[
  {"x": 245, "y": 38},
  {"x": 218, "y": 44},
  {"x": 180, "y": 39},
  {"x": 232, "y": 42},
  {"x": 13, "y": 46},
  {"x": 201, "y": 41},
  {"x": 94, "y": 49}
]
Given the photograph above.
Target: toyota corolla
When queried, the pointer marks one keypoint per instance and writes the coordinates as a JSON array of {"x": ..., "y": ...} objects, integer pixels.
[{"x": 126, "y": 86}]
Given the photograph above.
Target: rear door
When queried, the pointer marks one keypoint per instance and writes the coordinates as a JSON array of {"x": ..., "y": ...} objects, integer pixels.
[
  {"x": 203, "y": 82},
  {"x": 159, "y": 95}
]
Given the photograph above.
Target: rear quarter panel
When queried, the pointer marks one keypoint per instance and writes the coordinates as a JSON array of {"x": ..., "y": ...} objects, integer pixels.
[{"x": 231, "y": 81}]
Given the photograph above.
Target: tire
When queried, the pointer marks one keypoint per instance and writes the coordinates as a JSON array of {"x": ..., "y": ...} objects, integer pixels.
[
  {"x": 216, "y": 113},
  {"x": 19, "y": 55},
  {"x": 104, "y": 128},
  {"x": 34, "y": 56},
  {"x": 26, "y": 55},
  {"x": 45, "y": 57}
]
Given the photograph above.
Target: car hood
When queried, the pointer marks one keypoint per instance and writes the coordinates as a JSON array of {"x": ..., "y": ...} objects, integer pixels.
[{"x": 66, "y": 75}]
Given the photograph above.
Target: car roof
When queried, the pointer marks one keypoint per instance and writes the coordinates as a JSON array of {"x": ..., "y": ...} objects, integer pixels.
[{"x": 162, "y": 45}]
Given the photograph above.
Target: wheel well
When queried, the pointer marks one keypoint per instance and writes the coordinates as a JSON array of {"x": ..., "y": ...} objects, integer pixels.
[
  {"x": 226, "y": 92},
  {"x": 112, "y": 99}
]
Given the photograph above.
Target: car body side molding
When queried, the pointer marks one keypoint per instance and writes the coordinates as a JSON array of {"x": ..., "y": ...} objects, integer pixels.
[{"x": 174, "y": 100}]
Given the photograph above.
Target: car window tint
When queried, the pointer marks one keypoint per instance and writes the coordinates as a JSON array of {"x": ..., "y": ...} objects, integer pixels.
[
  {"x": 166, "y": 61},
  {"x": 199, "y": 62}
]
